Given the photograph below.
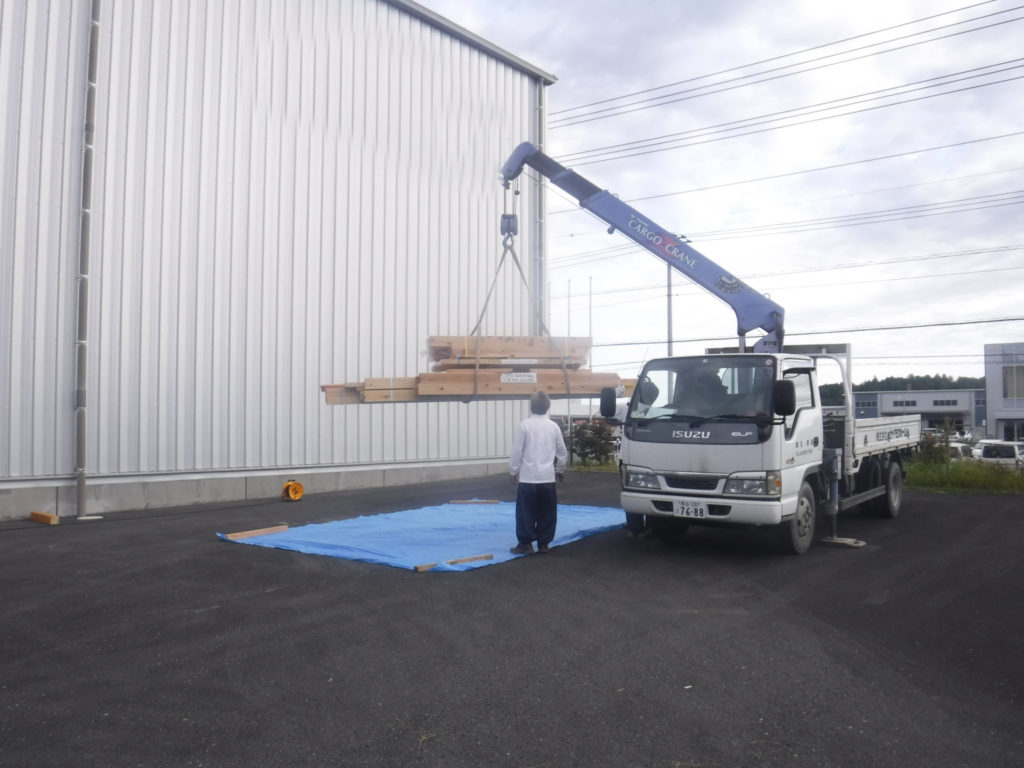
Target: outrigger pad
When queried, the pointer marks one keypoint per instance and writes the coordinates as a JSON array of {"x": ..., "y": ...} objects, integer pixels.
[
  {"x": 839, "y": 541},
  {"x": 442, "y": 534}
]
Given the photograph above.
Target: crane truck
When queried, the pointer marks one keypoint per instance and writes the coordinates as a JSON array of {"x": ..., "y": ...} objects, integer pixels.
[{"x": 736, "y": 438}]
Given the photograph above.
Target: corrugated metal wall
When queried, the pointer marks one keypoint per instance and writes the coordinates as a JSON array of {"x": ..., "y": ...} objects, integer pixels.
[
  {"x": 285, "y": 194},
  {"x": 42, "y": 55}
]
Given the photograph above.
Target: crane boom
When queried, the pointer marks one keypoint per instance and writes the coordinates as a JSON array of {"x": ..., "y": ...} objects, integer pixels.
[{"x": 753, "y": 309}]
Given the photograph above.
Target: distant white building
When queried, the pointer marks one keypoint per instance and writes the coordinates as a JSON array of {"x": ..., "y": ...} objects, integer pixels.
[
  {"x": 962, "y": 410},
  {"x": 1004, "y": 387}
]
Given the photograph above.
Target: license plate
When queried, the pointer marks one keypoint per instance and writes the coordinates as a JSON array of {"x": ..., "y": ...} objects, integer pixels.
[{"x": 689, "y": 509}]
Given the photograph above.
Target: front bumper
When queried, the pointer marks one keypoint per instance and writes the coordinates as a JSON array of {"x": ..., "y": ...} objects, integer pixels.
[{"x": 720, "y": 509}]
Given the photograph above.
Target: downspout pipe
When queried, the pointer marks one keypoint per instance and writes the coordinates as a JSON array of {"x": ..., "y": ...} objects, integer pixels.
[
  {"x": 84, "y": 228},
  {"x": 540, "y": 268}
]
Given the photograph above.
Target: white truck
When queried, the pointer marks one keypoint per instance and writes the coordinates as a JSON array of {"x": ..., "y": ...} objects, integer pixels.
[{"x": 740, "y": 438}]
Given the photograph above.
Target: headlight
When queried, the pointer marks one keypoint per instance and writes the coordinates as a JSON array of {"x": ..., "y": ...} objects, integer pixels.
[
  {"x": 640, "y": 477},
  {"x": 761, "y": 484}
]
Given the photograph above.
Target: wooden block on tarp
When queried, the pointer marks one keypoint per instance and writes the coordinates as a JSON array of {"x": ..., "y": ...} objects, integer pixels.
[
  {"x": 457, "y": 561},
  {"x": 255, "y": 532}
]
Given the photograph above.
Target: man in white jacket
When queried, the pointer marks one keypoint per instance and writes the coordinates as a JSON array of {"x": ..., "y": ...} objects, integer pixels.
[{"x": 537, "y": 462}]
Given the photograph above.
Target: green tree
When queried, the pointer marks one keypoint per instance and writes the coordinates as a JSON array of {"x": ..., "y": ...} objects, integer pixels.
[{"x": 592, "y": 442}]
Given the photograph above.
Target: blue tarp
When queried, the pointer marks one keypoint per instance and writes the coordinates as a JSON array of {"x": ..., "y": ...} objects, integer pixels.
[{"x": 418, "y": 537}]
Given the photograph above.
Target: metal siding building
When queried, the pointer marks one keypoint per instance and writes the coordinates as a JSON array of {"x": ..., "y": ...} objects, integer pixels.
[
  {"x": 282, "y": 195},
  {"x": 1004, "y": 382}
]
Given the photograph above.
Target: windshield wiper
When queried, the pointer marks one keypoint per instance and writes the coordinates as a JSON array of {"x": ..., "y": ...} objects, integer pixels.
[
  {"x": 722, "y": 417},
  {"x": 663, "y": 417}
]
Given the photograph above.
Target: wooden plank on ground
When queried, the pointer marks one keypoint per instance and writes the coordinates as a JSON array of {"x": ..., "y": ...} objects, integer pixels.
[
  {"x": 576, "y": 349},
  {"x": 256, "y": 532},
  {"x": 46, "y": 518},
  {"x": 457, "y": 561}
]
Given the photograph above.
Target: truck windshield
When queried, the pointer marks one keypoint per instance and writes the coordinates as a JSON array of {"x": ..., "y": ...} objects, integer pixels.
[{"x": 698, "y": 390}]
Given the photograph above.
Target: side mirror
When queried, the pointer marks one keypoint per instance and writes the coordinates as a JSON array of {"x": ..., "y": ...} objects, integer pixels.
[
  {"x": 648, "y": 391},
  {"x": 784, "y": 397},
  {"x": 608, "y": 402}
]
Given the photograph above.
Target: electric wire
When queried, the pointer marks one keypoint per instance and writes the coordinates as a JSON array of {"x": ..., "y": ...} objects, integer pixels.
[
  {"x": 689, "y": 94},
  {"x": 696, "y": 138},
  {"x": 862, "y": 329},
  {"x": 872, "y": 264},
  {"x": 778, "y": 57},
  {"x": 688, "y": 290},
  {"x": 866, "y": 97}
]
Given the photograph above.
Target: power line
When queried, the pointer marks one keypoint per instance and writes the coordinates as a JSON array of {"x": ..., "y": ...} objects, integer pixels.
[
  {"x": 689, "y": 94},
  {"x": 904, "y": 213},
  {"x": 823, "y": 106},
  {"x": 789, "y": 334},
  {"x": 834, "y": 167},
  {"x": 775, "y": 58},
  {"x": 772, "y": 121},
  {"x": 846, "y": 283},
  {"x": 945, "y": 360},
  {"x": 881, "y": 216},
  {"x": 826, "y": 268}
]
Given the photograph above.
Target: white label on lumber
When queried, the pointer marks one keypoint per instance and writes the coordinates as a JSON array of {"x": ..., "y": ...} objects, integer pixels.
[
  {"x": 519, "y": 378},
  {"x": 521, "y": 361}
]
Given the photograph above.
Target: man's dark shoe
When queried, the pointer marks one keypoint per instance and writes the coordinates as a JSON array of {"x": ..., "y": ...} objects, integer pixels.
[
  {"x": 522, "y": 549},
  {"x": 542, "y": 548}
]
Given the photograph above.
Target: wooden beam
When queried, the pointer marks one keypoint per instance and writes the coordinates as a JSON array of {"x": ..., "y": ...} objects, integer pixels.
[
  {"x": 469, "y": 347},
  {"x": 395, "y": 382},
  {"x": 457, "y": 561},
  {"x": 256, "y": 532},
  {"x": 389, "y": 396},
  {"x": 47, "y": 518}
]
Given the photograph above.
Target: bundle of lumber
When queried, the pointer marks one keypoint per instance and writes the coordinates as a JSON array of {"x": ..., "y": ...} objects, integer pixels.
[
  {"x": 503, "y": 351},
  {"x": 488, "y": 368}
]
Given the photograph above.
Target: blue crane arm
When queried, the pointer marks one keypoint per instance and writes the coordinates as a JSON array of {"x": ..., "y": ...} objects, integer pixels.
[{"x": 753, "y": 309}]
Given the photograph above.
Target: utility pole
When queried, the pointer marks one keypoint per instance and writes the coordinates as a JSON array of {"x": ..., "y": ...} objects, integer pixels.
[{"x": 668, "y": 302}]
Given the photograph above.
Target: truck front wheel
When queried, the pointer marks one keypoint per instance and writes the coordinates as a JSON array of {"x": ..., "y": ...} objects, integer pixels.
[{"x": 796, "y": 534}]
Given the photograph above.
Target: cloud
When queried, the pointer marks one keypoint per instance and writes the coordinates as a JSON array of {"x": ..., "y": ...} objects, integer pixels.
[{"x": 894, "y": 96}]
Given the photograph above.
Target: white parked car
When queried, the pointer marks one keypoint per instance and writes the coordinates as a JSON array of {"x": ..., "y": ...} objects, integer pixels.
[
  {"x": 1003, "y": 452},
  {"x": 960, "y": 451}
]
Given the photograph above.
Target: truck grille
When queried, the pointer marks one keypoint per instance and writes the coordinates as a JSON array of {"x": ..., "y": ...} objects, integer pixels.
[{"x": 691, "y": 482}]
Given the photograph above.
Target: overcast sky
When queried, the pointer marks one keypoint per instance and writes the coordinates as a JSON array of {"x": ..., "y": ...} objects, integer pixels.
[{"x": 861, "y": 163}]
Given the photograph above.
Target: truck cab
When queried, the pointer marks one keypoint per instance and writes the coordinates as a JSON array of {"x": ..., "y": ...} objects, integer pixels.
[{"x": 720, "y": 439}]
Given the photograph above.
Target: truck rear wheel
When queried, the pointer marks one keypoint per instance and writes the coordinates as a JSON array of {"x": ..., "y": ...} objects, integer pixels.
[
  {"x": 888, "y": 504},
  {"x": 797, "y": 533}
]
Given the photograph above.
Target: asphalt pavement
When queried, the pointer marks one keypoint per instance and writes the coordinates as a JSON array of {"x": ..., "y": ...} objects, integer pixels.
[{"x": 144, "y": 640}]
